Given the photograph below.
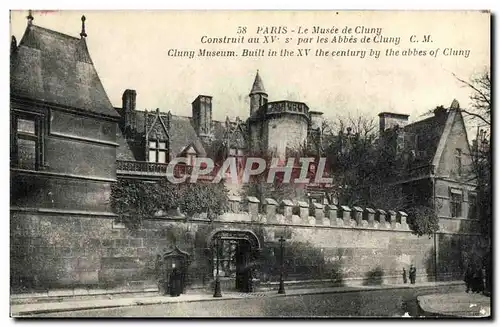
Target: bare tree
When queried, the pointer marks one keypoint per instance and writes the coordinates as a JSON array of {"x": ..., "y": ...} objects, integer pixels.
[
  {"x": 480, "y": 98},
  {"x": 480, "y": 113}
]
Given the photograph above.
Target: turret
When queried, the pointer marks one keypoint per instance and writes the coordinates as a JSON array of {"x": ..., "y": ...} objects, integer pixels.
[{"x": 258, "y": 95}]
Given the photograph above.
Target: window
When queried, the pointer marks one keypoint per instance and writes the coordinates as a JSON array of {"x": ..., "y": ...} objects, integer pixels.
[
  {"x": 158, "y": 151},
  {"x": 472, "y": 206},
  {"x": 456, "y": 205},
  {"x": 458, "y": 160},
  {"x": 26, "y": 147}
]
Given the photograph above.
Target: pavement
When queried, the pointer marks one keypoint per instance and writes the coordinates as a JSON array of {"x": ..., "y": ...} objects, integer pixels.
[
  {"x": 27, "y": 309},
  {"x": 455, "y": 305}
]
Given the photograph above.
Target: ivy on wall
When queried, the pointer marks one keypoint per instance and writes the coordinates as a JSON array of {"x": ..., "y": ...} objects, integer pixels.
[
  {"x": 135, "y": 200},
  {"x": 423, "y": 220}
]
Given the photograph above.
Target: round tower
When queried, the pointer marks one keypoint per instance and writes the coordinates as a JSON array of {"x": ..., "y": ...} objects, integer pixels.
[{"x": 258, "y": 95}]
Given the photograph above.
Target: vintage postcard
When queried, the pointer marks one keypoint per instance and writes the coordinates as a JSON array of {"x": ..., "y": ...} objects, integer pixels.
[{"x": 293, "y": 163}]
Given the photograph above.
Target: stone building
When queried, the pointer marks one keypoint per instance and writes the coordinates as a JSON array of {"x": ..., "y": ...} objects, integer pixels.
[
  {"x": 157, "y": 136},
  {"x": 436, "y": 169},
  {"x": 435, "y": 160},
  {"x": 63, "y": 150},
  {"x": 69, "y": 145}
]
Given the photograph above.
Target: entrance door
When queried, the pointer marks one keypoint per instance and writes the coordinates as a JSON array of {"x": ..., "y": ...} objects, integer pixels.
[{"x": 243, "y": 273}]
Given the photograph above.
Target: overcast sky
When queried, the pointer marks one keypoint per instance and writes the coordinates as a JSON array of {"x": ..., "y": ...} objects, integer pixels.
[{"x": 129, "y": 50}]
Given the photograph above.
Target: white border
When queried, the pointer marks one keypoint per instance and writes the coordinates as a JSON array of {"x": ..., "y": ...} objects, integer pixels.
[{"x": 185, "y": 4}]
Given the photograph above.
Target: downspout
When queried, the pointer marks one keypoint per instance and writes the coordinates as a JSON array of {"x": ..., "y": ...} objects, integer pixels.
[{"x": 436, "y": 244}]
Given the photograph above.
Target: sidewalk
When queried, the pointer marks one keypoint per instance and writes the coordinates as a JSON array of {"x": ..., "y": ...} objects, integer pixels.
[
  {"x": 26, "y": 309},
  {"x": 455, "y": 305}
]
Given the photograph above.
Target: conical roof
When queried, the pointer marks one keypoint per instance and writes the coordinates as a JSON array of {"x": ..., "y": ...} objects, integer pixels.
[{"x": 258, "y": 85}]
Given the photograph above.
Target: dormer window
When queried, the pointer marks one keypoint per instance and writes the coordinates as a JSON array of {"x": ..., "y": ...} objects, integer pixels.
[
  {"x": 191, "y": 156},
  {"x": 158, "y": 151}
]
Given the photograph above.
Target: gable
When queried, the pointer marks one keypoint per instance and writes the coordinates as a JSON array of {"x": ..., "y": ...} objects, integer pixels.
[
  {"x": 156, "y": 127},
  {"x": 190, "y": 149},
  {"x": 454, "y": 137},
  {"x": 235, "y": 135}
]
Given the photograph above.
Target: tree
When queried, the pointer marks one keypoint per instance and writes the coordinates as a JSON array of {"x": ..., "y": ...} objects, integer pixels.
[
  {"x": 136, "y": 200},
  {"x": 361, "y": 165},
  {"x": 258, "y": 186},
  {"x": 480, "y": 98},
  {"x": 480, "y": 114},
  {"x": 366, "y": 168},
  {"x": 423, "y": 220}
]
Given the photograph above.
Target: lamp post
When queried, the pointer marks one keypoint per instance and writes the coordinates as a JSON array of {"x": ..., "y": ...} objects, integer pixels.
[
  {"x": 217, "y": 291},
  {"x": 281, "y": 290}
]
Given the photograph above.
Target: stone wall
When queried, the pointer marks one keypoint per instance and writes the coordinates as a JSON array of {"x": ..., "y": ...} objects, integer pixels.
[{"x": 357, "y": 245}]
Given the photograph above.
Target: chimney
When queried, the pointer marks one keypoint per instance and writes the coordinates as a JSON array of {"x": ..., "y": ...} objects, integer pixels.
[
  {"x": 128, "y": 100},
  {"x": 202, "y": 115},
  {"x": 440, "y": 112},
  {"x": 316, "y": 119},
  {"x": 455, "y": 104},
  {"x": 389, "y": 120},
  {"x": 128, "y": 108}
]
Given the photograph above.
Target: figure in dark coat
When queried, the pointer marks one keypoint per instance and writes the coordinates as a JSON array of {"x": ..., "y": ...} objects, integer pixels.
[
  {"x": 468, "y": 278},
  {"x": 477, "y": 280},
  {"x": 405, "y": 278},
  {"x": 175, "y": 282},
  {"x": 413, "y": 274}
]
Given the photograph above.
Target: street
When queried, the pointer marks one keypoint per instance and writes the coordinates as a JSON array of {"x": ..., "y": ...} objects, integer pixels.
[{"x": 379, "y": 303}]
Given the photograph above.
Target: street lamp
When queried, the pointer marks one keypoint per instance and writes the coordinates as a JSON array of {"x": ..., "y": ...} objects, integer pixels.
[
  {"x": 281, "y": 290},
  {"x": 217, "y": 291}
]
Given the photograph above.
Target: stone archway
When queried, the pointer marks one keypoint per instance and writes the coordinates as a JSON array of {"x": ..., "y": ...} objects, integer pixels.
[
  {"x": 233, "y": 256},
  {"x": 244, "y": 234}
]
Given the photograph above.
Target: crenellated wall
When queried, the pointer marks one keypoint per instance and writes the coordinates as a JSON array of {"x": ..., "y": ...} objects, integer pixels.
[
  {"x": 289, "y": 212},
  {"x": 338, "y": 244}
]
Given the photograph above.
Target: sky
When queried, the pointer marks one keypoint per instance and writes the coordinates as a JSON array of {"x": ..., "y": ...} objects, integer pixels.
[{"x": 130, "y": 51}]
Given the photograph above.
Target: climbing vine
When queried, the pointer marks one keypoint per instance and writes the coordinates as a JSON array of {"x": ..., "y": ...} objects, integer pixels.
[
  {"x": 423, "y": 220},
  {"x": 135, "y": 200}
]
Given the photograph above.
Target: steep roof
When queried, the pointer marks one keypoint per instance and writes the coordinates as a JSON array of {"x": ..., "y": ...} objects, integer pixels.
[
  {"x": 429, "y": 135},
  {"x": 424, "y": 136},
  {"x": 57, "y": 68},
  {"x": 258, "y": 85},
  {"x": 182, "y": 134}
]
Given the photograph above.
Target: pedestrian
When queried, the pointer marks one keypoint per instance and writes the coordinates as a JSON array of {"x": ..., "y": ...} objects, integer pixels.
[
  {"x": 478, "y": 284},
  {"x": 405, "y": 279},
  {"x": 413, "y": 274},
  {"x": 175, "y": 282},
  {"x": 468, "y": 278}
]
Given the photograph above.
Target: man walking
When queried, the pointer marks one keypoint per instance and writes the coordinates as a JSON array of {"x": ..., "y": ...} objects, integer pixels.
[{"x": 413, "y": 274}]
